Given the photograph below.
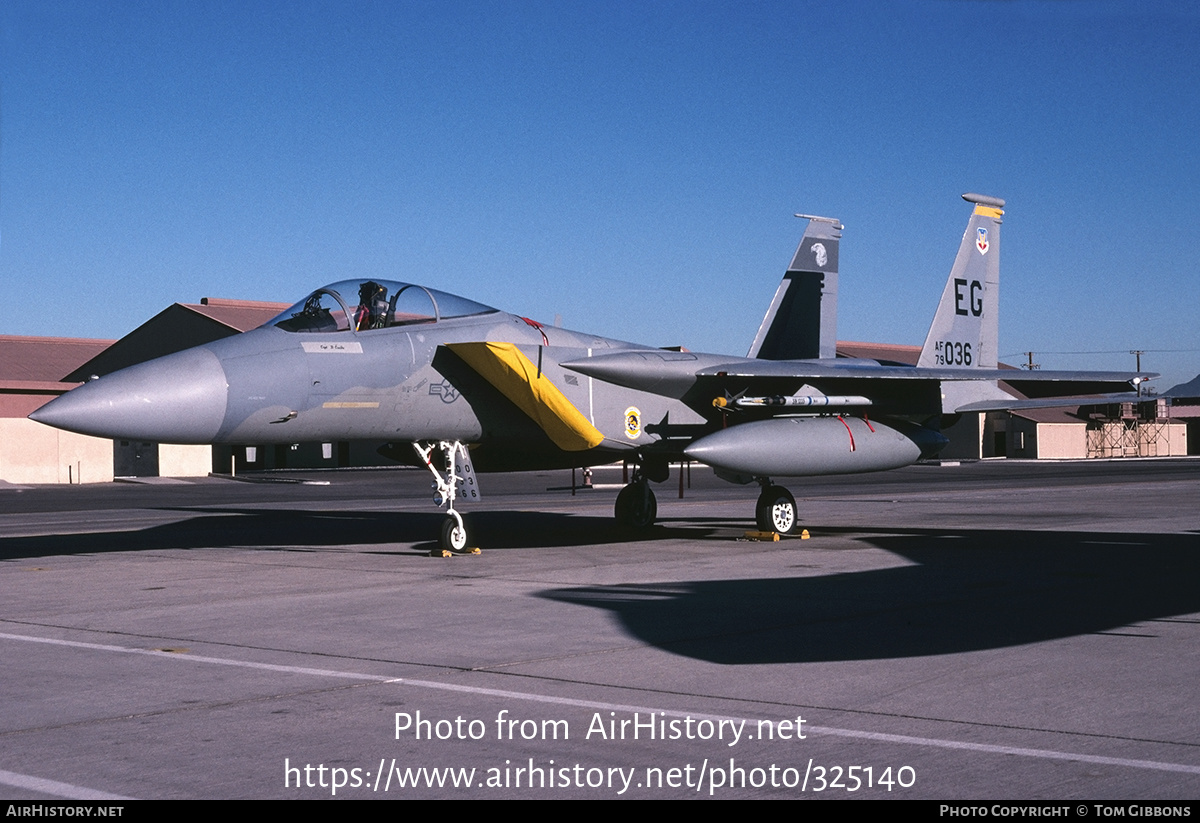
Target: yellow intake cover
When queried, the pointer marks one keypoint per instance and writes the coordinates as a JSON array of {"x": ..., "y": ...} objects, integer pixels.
[{"x": 505, "y": 367}]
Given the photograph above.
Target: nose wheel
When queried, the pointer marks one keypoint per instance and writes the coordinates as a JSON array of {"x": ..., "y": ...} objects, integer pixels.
[
  {"x": 776, "y": 510},
  {"x": 454, "y": 534}
]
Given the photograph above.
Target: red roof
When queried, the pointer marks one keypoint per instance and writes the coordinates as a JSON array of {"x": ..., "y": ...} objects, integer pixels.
[
  {"x": 879, "y": 351},
  {"x": 177, "y": 327},
  {"x": 31, "y": 360},
  {"x": 242, "y": 315},
  {"x": 1061, "y": 414}
]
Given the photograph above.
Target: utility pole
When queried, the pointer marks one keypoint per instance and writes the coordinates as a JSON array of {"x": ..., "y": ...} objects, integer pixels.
[
  {"x": 1031, "y": 366},
  {"x": 1138, "y": 354}
]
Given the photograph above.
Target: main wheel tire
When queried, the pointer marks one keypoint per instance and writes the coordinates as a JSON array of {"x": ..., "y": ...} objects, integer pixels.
[
  {"x": 636, "y": 507},
  {"x": 454, "y": 536},
  {"x": 776, "y": 510}
]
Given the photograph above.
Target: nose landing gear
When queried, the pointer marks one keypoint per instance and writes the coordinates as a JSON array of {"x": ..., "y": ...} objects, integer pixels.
[{"x": 459, "y": 481}]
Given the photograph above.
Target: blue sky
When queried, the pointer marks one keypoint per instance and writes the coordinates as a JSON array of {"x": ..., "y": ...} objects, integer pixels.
[{"x": 631, "y": 166}]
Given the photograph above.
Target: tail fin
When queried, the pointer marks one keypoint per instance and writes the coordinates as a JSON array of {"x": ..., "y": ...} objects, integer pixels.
[
  {"x": 801, "y": 322},
  {"x": 966, "y": 328}
]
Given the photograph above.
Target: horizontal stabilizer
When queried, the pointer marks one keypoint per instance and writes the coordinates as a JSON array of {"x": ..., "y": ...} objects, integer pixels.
[
  {"x": 1017, "y": 404},
  {"x": 517, "y": 378}
]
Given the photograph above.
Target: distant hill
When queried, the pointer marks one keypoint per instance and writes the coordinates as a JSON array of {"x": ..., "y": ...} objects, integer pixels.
[{"x": 1188, "y": 389}]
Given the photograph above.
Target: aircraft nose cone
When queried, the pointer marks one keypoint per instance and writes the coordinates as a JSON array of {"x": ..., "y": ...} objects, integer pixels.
[{"x": 179, "y": 398}]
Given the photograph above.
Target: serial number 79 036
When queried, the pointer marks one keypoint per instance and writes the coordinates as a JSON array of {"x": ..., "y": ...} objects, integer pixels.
[{"x": 952, "y": 353}]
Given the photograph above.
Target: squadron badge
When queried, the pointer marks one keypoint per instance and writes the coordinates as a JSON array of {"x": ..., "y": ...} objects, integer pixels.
[
  {"x": 981, "y": 242},
  {"x": 633, "y": 423}
]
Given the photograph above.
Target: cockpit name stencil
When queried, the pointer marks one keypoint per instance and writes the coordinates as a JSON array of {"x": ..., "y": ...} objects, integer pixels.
[{"x": 323, "y": 347}]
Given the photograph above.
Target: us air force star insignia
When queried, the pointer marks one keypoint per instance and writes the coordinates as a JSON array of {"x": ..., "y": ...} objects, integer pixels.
[
  {"x": 981, "y": 242},
  {"x": 633, "y": 422},
  {"x": 445, "y": 391},
  {"x": 818, "y": 250}
]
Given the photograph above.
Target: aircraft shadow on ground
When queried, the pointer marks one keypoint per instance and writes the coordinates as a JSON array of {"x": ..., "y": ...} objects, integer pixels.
[
  {"x": 968, "y": 591},
  {"x": 394, "y": 533},
  {"x": 965, "y": 590}
]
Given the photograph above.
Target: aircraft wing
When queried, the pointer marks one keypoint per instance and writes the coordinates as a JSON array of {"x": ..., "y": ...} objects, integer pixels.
[
  {"x": 1032, "y": 384},
  {"x": 848, "y": 368},
  {"x": 672, "y": 373},
  {"x": 957, "y": 369}
]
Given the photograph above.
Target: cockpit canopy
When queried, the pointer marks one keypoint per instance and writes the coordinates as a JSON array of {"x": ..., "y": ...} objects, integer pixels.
[{"x": 362, "y": 305}]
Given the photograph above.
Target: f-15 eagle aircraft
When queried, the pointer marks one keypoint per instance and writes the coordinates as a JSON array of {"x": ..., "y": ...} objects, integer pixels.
[{"x": 457, "y": 386}]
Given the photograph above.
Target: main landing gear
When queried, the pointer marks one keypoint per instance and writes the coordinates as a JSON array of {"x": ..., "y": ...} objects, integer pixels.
[
  {"x": 776, "y": 509},
  {"x": 636, "y": 507},
  {"x": 458, "y": 482}
]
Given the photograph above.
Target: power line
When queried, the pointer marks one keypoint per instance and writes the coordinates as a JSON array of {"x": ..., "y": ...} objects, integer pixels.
[{"x": 1104, "y": 351}]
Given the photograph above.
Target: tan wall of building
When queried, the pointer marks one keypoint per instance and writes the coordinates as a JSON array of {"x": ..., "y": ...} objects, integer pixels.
[
  {"x": 1031, "y": 440},
  {"x": 1148, "y": 439},
  {"x": 1062, "y": 440},
  {"x": 33, "y": 453},
  {"x": 1171, "y": 440},
  {"x": 184, "y": 461}
]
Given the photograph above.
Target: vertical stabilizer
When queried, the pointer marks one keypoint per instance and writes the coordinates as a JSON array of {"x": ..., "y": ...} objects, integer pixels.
[
  {"x": 801, "y": 322},
  {"x": 965, "y": 330}
]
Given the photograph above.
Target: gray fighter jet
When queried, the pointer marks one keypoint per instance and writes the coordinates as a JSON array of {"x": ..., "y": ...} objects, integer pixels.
[{"x": 456, "y": 386}]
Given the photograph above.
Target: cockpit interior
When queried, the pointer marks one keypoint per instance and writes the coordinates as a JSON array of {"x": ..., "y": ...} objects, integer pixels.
[{"x": 365, "y": 305}]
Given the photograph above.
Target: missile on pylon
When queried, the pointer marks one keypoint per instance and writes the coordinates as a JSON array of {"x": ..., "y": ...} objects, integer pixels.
[{"x": 796, "y": 400}]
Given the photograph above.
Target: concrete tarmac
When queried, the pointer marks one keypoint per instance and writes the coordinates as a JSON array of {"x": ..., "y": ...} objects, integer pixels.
[{"x": 995, "y": 630}]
